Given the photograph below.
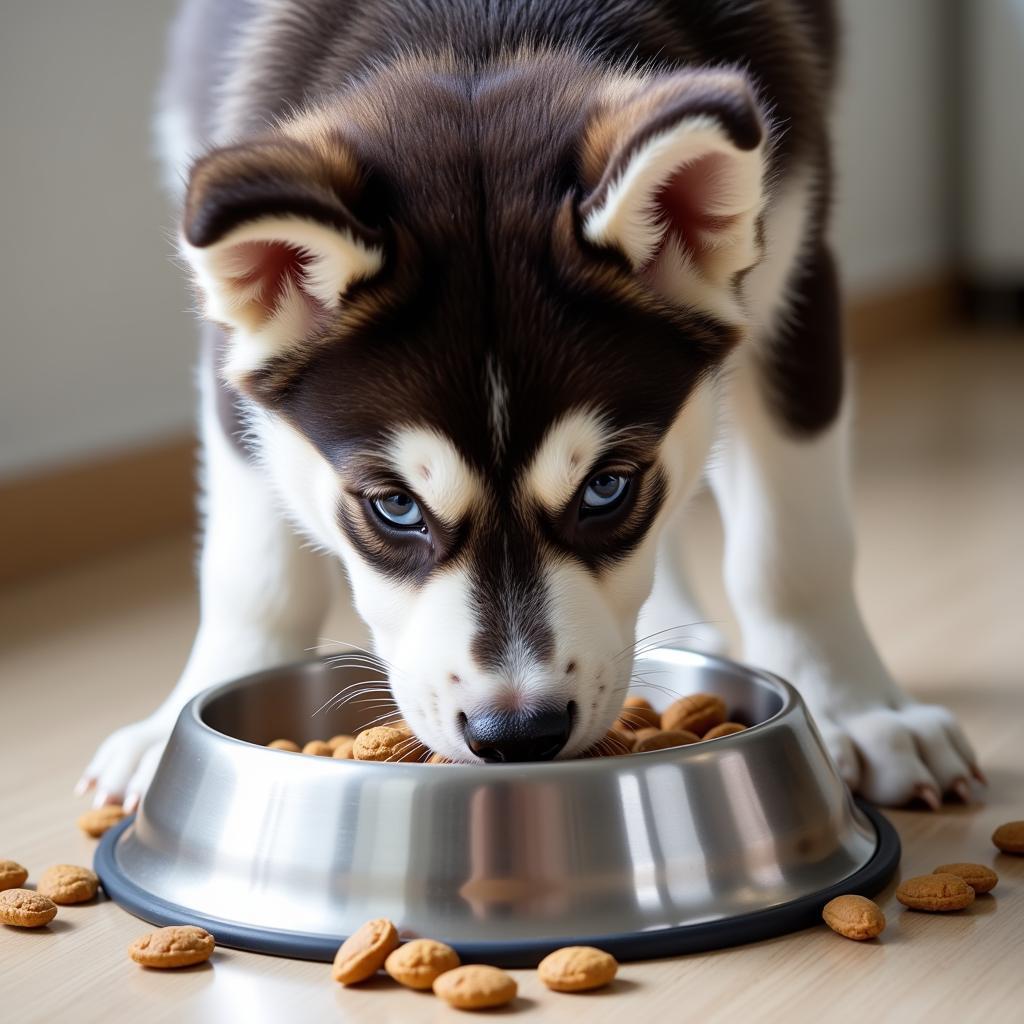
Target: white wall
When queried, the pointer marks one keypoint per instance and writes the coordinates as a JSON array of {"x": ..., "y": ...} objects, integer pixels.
[
  {"x": 97, "y": 346},
  {"x": 994, "y": 128},
  {"x": 893, "y": 223}
]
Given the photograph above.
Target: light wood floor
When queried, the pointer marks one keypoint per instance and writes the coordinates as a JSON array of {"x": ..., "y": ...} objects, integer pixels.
[{"x": 940, "y": 505}]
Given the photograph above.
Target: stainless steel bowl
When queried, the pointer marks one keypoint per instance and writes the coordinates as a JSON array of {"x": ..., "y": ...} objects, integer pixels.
[{"x": 645, "y": 855}]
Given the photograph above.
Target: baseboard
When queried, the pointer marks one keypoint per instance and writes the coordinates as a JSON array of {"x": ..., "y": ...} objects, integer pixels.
[
  {"x": 70, "y": 514},
  {"x": 906, "y": 312}
]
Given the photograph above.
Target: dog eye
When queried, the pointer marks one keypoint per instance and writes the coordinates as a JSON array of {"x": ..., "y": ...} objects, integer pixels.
[
  {"x": 604, "y": 493},
  {"x": 399, "y": 510}
]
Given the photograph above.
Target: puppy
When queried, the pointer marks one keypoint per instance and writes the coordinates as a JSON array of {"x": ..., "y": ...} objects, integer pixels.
[{"x": 483, "y": 285}]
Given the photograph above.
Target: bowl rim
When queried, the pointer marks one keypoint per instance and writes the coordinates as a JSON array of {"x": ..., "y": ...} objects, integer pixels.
[{"x": 792, "y": 703}]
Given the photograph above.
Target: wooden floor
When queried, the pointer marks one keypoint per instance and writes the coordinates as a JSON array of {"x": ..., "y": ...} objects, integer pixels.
[{"x": 940, "y": 505}]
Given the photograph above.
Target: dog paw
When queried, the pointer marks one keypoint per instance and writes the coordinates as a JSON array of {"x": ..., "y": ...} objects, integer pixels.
[
  {"x": 892, "y": 756},
  {"x": 123, "y": 766}
]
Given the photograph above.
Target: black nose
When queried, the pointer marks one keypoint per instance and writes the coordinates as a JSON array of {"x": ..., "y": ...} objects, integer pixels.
[{"x": 520, "y": 735}]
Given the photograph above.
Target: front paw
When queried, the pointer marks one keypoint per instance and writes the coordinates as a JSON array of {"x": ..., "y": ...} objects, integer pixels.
[
  {"x": 123, "y": 766},
  {"x": 892, "y": 755}
]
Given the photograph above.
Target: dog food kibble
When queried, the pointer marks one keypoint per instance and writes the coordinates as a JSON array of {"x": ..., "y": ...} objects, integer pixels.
[
  {"x": 176, "y": 946},
  {"x": 935, "y": 893},
  {"x": 854, "y": 917},
  {"x": 614, "y": 744},
  {"x": 419, "y": 963},
  {"x": 640, "y": 735},
  {"x": 318, "y": 748},
  {"x": 289, "y": 745},
  {"x": 663, "y": 739},
  {"x": 697, "y": 713},
  {"x": 1010, "y": 837},
  {"x": 476, "y": 987},
  {"x": 68, "y": 883},
  {"x": 980, "y": 878},
  {"x": 12, "y": 875},
  {"x": 577, "y": 969},
  {"x": 95, "y": 822},
  {"x": 385, "y": 743},
  {"x": 638, "y": 729},
  {"x": 725, "y": 729},
  {"x": 23, "y": 908},
  {"x": 636, "y": 713},
  {"x": 364, "y": 952},
  {"x": 341, "y": 745},
  {"x": 343, "y": 748}
]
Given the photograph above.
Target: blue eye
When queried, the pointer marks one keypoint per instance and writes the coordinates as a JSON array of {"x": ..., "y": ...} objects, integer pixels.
[
  {"x": 399, "y": 510},
  {"x": 604, "y": 493}
]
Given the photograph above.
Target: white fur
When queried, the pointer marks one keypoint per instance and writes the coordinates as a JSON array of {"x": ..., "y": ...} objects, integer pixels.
[
  {"x": 567, "y": 451},
  {"x": 629, "y": 217},
  {"x": 263, "y": 595},
  {"x": 436, "y": 471},
  {"x": 225, "y": 271},
  {"x": 499, "y": 411}
]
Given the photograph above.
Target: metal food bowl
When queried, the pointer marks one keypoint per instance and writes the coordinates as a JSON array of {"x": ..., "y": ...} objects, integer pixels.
[{"x": 667, "y": 852}]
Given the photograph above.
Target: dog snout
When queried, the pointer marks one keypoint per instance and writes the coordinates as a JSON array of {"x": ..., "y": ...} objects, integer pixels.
[{"x": 524, "y": 735}]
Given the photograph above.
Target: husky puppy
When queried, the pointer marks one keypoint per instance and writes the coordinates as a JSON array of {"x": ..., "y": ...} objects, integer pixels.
[{"x": 484, "y": 283}]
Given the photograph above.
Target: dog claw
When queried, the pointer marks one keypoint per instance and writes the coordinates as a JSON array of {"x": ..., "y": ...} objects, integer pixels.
[
  {"x": 930, "y": 795},
  {"x": 962, "y": 790},
  {"x": 979, "y": 775},
  {"x": 131, "y": 803},
  {"x": 83, "y": 785}
]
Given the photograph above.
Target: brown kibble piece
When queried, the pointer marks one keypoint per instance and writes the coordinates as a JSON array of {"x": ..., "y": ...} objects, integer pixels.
[
  {"x": 725, "y": 729},
  {"x": 342, "y": 750},
  {"x": 577, "y": 969},
  {"x": 1010, "y": 837},
  {"x": 23, "y": 908},
  {"x": 68, "y": 883},
  {"x": 417, "y": 964},
  {"x": 384, "y": 743},
  {"x": 854, "y": 917},
  {"x": 977, "y": 876},
  {"x": 636, "y": 713},
  {"x": 289, "y": 745},
  {"x": 318, "y": 748},
  {"x": 476, "y": 987},
  {"x": 662, "y": 740},
  {"x": 95, "y": 822},
  {"x": 343, "y": 741},
  {"x": 363, "y": 953},
  {"x": 180, "y": 945},
  {"x": 935, "y": 893},
  {"x": 12, "y": 875},
  {"x": 614, "y": 744},
  {"x": 697, "y": 713},
  {"x": 634, "y": 701},
  {"x": 641, "y": 734}
]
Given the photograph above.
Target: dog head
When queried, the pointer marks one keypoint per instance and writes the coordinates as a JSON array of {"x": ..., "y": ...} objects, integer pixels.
[{"x": 475, "y": 317}]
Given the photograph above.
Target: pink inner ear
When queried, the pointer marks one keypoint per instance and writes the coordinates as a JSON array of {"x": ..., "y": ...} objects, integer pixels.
[
  {"x": 686, "y": 202},
  {"x": 265, "y": 272}
]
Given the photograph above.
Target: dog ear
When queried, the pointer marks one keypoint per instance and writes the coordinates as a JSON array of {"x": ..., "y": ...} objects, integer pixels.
[
  {"x": 271, "y": 236},
  {"x": 674, "y": 172}
]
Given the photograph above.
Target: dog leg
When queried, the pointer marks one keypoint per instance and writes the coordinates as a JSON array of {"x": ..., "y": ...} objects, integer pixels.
[
  {"x": 672, "y": 615},
  {"x": 781, "y": 485},
  {"x": 263, "y": 595}
]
